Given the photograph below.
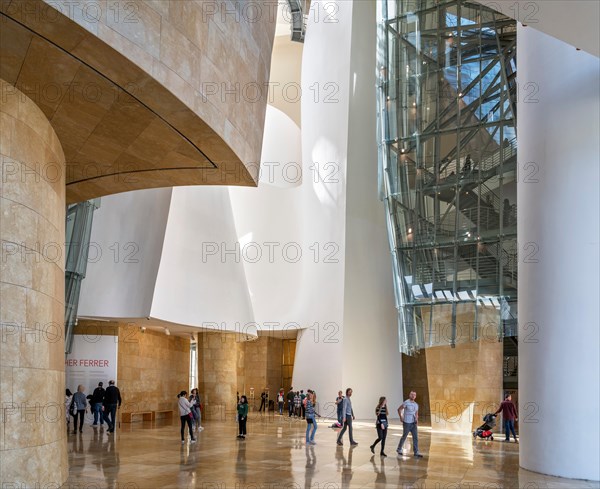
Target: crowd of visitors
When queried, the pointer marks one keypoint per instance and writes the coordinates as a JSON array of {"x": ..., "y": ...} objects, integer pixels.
[
  {"x": 303, "y": 406},
  {"x": 103, "y": 403}
]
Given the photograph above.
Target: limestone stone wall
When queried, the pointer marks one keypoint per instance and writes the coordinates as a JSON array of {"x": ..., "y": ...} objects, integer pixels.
[
  {"x": 263, "y": 366},
  {"x": 462, "y": 382},
  {"x": 33, "y": 450},
  {"x": 152, "y": 368},
  {"x": 191, "y": 78},
  {"x": 227, "y": 365},
  {"x": 414, "y": 378},
  {"x": 256, "y": 369},
  {"x": 274, "y": 367},
  {"x": 220, "y": 373}
]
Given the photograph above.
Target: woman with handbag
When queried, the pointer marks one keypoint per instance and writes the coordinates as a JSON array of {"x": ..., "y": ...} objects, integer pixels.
[
  {"x": 311, "y": 420},
  {"x": 381, "y": 423},
  {"x": 185, "y": 414},
  {"x": 242, "y": 411}
]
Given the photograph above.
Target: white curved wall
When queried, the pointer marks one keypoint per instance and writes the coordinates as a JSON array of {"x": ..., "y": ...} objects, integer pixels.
[
  {"x": 198, "y": 282},
  {"x": 355, "y": 294},
  {"x": 558, "y": 286},
  {"x": 319, "y": 351},
  {"x": 312, "y": 253},
  {"x": 125, "y": 252},
  {"x": 281, "y": 157}
]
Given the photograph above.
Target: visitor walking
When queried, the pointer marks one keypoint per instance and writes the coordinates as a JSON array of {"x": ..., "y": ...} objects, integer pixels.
[
  {"x": 80, "y": 402},
  {"x": 280, "y": 400},
  {"x": 339, "y": 402},
  {"x": 112, "y": 402},
  {"x": 185, "y": 415},
  {"x": 311, "y": 419},
  {"x": 290, "y": 401},
  {"x": 381, "y": 424},
  {"x": 68, "y": 399},
  {"x": 96, "y": 402},
  {"x": 347, "y": 419},
  {"x": 297, "y": 404},
  {"x": 509, "y": 416},
  {"x": 409, "y": 415},
  {"x": 263, "y": 398}
]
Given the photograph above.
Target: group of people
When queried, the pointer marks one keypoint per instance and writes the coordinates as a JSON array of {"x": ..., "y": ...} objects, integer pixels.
[
  {"x": 190, "y": 413},
  {"x": 299, "y": 405},
  {"x": 296, "y": 404},
  {"x": 303, "y": 406},
  {"x": 103, "y": 403},
  {"x": 408, "y": 412}
]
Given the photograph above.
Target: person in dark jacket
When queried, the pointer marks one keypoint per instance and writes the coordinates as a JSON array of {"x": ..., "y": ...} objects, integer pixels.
[
  {"x": 111, "y": 402},
  {"x": 96, "y": 402},
  {"x": 263, "y": 400},
  {"x": 381, "y": 424},
  {"x": 509, "y": 415},
  {"x": 290, "y": 401},
  {"x": 242, "y": 411}
]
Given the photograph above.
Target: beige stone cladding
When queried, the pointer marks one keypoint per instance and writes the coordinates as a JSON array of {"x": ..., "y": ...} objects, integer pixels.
[
  {"x": 152, "y": 369},
  {"x": 457, "y": 385},
  {"x": 227, "y": 365},
  {"x": 145, "y": 94},
  {"x": 33, "y": 449}
]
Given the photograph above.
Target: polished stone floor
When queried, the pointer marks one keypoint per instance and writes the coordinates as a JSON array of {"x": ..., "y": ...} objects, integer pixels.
[{"x": 148, "y": 455}]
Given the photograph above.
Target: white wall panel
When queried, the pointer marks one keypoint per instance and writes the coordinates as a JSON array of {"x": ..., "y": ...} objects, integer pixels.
[{"x": 127, "y": 238}]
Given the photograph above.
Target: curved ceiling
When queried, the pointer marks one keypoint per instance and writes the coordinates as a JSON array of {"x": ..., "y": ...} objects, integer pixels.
[{"x": 120, "y": 128}]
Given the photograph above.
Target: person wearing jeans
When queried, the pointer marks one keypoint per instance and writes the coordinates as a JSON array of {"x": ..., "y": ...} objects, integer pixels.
[
  {"x": 80, "y": 403},
  {"x": 112, "y": 401},
  {"x": 185, "y": 414},
  {"x": 348, "y": 417},
  {"x": 311, "y": 420},
  {"x": 96, "y": 402},
  {"x": 381, "y": 425},
  {"x": 290, "y": 401},
  {"x": 196, "y": 411},
  {"x": 509, "y": 415},
  {"x": 339, "y": 402},
  {"x": 409, "y": 415}
]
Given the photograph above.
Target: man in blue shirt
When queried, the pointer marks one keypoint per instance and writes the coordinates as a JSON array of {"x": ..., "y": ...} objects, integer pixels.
[
  {"x": 348, "y": 417},
  {"x": 409, "y": 415}
]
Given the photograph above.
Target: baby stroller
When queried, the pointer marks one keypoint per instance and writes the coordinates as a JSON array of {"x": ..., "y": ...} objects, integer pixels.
[{"x": 485, "y": 430}]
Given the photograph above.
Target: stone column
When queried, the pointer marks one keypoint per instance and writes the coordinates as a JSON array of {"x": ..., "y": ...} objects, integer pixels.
[
  {"x": 464, "y": 382},
  {"x": 33, "y": 449},
  {"x": 220, "y": 373},
  {"x": 558, "y": 228}
]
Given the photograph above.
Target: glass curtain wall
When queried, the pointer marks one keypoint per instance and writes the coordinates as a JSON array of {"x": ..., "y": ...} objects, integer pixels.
[{"x": 448, "y": 151}]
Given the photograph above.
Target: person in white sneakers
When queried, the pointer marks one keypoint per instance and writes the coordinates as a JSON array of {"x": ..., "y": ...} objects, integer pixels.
[
  {"x": 185, "y": 414},
  {"x": 409, "y": 415},
  {"x": 196, "y": 411}
]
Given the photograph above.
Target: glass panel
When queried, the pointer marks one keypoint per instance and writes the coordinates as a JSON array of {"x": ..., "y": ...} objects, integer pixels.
[{"x": 448, "y": 166}]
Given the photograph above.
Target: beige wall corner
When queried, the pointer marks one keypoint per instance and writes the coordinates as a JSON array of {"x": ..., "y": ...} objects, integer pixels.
[
  {"x": 152, "y": 369},
  {"x": 145, "y": 94},
  {"x": 457, "y": 386},
  {"x": 33, "y": 450}
]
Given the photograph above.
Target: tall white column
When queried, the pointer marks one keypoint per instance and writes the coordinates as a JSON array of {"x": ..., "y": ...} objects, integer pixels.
[
  {"x": 349, "y": 295},
  {"x": 558, "y": 197}
]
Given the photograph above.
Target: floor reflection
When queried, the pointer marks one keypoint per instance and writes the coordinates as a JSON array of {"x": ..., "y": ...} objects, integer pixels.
[{"x": 274, "y": 456}]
